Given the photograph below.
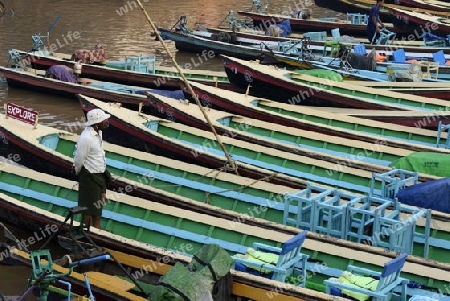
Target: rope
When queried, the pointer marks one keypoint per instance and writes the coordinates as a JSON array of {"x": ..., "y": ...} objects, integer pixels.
[{"x": 197, "y": 101}]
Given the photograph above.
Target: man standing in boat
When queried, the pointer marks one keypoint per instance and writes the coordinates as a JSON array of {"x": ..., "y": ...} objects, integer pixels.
[
  {"x": 374, "y": 23},
  {"x": 90, "y": 167}
]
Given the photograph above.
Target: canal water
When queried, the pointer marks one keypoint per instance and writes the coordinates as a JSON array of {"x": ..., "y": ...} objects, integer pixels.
[{"x": 121, "y": 27}]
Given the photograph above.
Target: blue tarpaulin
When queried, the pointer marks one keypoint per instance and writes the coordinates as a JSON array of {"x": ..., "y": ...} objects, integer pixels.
[
  {"x": 433, "y": 195},
  {"x": 177, "y": 94}
]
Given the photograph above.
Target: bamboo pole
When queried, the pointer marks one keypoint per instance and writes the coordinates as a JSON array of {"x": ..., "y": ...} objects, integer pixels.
[{"x": 197, "y": 101}]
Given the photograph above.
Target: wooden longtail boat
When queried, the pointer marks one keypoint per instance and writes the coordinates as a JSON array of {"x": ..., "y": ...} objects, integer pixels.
[
  {"x": 317, "y": 121},
  {"x": 171, "y": 182},
  {"x": 31, "y": 200},
  {"x": 436, "y": 24},
  {"x": 278, "y": 136},
  {"x": 194, "y": 43},
  {"x": 163, "y": 78},
  {"x": 38, "y": 199},
  {"x": 263, "y": 21},
  {"x": 287, "y": 87},
  {"x": 33, "y": 79},
  {"x": 314, "y": 45},
  {"x": 168, "y": 182},
  {"x": 435, "y": 90},
  {"x": 306, "y": 165}
]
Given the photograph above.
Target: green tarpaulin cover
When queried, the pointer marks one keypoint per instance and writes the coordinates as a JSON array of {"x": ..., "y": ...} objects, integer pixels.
[
  {"x": 192, "y": 281},
  {"x": 425, "y": 162}
]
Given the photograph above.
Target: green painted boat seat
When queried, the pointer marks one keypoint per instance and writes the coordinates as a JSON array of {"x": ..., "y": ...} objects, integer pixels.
[
  {"x": 279, "y": 262},
  {"x": 334, "y": 48},
  {"x": 389, "y": 279},
  {"x": 392, "y": 181},
  {"x": 396, "y": 231},
  {"x": 442, "y": 128}
]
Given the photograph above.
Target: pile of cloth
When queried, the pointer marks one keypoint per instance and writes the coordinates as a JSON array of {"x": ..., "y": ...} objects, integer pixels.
[{"x": 86, "y": 56}]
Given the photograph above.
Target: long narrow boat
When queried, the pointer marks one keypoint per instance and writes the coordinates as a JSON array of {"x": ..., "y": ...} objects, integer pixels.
[
  {"x": 197, "y": 44},
  {"x": 427, "y": 89},
  {"x": 278, "y": 136},
  {"x": 287, "y": 87},
  {"x": 34, "y": 79},
  {"x": 436, "y": 24},
  {"x": 40, "y": 199},
  {"x": 163, "y": 78},
  {"x": 428, "y": 5},
  {"x": 306, "y": 165},
  {"x": 416, "y": 49},
  {"x": 171, "y": 182},
  {"x": 32, "y": 200},
  {"x": 318, "y": 121},
  {"x": 263, "y": 20}
]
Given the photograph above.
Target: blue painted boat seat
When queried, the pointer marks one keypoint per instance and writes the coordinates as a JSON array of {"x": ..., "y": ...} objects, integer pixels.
[
  {"x": 399, "y": 56},
  {"x": 331, "y": 215},
  {"x": 439, "y": 57},
  {"x": 442, "y": 128},
  {"x": 386, "y": 37},
  {"x": 398, "y": 229},
  {"x": 391, "y": 182},
  {"x": 335, "y": 33},
  {"x": 275, "y": 263},
  {"x": 357, "y": 18},
  {"x": 316, "y": 36},
  {"x": 361, "y": 216},
  {"x": 389, "y": 279},
  {"x": 360, "y": 49}
]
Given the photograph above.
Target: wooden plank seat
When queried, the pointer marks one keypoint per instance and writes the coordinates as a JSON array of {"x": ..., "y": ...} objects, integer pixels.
[
  {"x": 380, "y": 287},
  {"x": 275, "y": 263}
]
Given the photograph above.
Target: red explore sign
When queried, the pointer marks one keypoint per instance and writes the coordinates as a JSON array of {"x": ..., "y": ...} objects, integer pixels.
[{"x": 21, "y": 113}]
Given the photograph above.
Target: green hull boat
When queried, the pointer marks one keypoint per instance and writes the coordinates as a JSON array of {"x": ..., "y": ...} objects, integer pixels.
[{"x": 28, "y": 195}]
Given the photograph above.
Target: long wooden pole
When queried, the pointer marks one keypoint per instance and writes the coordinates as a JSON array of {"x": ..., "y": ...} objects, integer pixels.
[{"x": 231, "y": 162}]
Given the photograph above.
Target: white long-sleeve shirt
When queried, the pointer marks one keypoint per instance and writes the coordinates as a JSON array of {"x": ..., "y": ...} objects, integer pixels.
[{"x": 89, "y": 152}]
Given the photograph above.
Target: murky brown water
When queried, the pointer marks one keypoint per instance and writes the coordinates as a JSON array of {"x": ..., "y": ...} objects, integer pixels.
[{"x": 127, "y": 33}]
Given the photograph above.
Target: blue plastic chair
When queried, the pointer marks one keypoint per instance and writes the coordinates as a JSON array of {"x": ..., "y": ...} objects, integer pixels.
[
  {"x": 290, "y": 260},
  {"x": 360, "y": 49},
  {"x": 439, "y": 57},
  {"x": 399, "y": 56},
  {"x": 389, "y": 279}
]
